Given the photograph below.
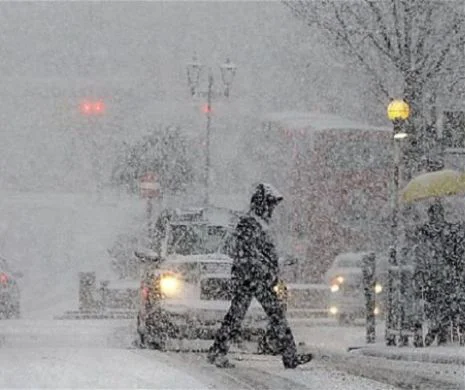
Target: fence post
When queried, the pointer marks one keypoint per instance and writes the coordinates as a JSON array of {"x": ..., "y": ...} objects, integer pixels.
[{"x": 369, "y": 281}]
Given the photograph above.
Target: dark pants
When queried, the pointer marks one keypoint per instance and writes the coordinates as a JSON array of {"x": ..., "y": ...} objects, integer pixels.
[{"x": 243, "y": 295}]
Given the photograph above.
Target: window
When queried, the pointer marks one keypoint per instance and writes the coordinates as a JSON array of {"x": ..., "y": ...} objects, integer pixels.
[{"x": 196, "y": 239}]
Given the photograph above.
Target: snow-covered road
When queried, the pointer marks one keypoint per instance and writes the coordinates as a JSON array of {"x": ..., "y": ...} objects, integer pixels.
[{"x": 98, "y": 354}]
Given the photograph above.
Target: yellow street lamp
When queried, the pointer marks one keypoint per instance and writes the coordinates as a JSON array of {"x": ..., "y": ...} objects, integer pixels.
[{"x": 398, "y": 109}]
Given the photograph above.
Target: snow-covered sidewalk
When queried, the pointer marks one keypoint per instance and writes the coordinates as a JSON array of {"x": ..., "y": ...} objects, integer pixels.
[
  {"x": 427, "y": 368},
  {"x": 336, "y": 339}
]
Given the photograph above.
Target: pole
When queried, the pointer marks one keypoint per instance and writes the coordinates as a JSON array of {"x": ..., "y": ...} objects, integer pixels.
[
  {"x": 369, "y": 282},
  {"x": 207, "y": 146},
  {"x": 392, "y": 304},
  {"x": 149, "y": 219}
]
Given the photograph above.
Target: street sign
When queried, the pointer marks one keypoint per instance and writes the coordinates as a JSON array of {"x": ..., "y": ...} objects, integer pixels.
[{"x": 149, "y": 187}]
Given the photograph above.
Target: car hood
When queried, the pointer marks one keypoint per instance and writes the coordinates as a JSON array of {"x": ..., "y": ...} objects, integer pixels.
[{"x": 202, "y": 258}]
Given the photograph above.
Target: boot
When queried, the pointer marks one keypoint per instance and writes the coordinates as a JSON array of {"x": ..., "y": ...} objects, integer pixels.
[
  {"x": 218, "y": 359},
  {"x": 298, "y": 360}
]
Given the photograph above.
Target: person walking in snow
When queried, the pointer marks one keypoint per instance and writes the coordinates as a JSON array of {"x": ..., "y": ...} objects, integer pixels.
[{"x": 255, "y": 273}]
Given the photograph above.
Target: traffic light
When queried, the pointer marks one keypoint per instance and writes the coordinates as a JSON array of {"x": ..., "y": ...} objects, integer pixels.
[
  {"x": 206, "y": 109},
  {"x": 92, "y": 107}
]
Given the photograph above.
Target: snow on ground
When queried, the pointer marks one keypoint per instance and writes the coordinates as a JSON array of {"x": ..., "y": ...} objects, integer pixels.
[
  {"x": 338, "y": 339},
  {"x": 427, "y": 368},
  {"x": 80, "y": 354},
  {"x": 97, "y": 354},
  {"x": 334, "y": 338},
  {"x": 88, "y": 368}
]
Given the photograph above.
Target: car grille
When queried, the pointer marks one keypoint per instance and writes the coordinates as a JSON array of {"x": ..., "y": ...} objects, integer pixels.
[{"x": 216, "y": 289}]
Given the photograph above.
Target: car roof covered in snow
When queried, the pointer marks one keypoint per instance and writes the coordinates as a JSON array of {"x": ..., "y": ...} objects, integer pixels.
[
  {"x": 317, "y": 121},
  {"x": 215, "y": 216}
]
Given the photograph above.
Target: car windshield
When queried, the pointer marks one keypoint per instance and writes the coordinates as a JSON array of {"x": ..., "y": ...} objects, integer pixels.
[
  {"x": 196, "y": 239},
  {"x": 349, "y": 263}
]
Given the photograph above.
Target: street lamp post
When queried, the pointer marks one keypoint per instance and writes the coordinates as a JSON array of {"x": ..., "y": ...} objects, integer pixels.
[
  {"x": 194, "y": 69},
  {"x": 149, "y": 189},
  {"x": 398, "y": 112}
]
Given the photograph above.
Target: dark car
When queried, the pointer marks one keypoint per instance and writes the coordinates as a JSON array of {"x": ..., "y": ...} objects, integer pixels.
[{"x": 9, "y": 291}]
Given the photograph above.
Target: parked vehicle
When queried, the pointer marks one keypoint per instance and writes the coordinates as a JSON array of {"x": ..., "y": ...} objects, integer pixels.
[
  {"x": 344, "y": 277},
  {"x": 185, "y": 290}
]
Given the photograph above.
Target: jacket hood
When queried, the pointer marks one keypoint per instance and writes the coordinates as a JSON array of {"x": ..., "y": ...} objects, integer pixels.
[{"x": 264, "y": 199}]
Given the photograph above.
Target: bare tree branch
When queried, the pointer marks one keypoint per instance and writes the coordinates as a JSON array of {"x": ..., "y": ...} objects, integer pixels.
[
  {"x": 386, "y": 50},
  {"x": 453, "y": 32},
  {"x": 407, "y": 56},
  {"x": 397, "y": 28},
  {"x": 384, "y": 30},
  {"x": 345, "y": 37},
  {"x": 419, "y": 52}
]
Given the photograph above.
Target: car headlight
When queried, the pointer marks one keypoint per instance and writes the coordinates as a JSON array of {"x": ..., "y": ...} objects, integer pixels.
[
  {"x": 334, "y": 288},
  {"x": 340, "y": 279},
  {"x": 378, "y": 288},
  {"x": 376, "y": 311},
  {"x": 281, "y": 290},
  {"x": 333, "y": 310},
  {"x": 170, "y": 285}
]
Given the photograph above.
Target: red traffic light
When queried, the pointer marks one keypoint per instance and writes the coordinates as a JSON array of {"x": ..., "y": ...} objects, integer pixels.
[
  {"x": 206, "y": 108},
  {"x": 92, "y": 107}
]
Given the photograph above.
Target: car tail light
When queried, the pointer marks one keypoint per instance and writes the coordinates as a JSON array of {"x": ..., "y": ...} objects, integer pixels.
[
  {"x": 3, "y": 279},
  {"x": 145, "y": 292}
]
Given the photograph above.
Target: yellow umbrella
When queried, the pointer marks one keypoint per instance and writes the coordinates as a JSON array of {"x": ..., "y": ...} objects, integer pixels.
[{"x": 437, "y": 184}]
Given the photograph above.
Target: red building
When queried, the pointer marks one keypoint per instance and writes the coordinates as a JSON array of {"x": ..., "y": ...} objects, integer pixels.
[{"x": 338, "y": 183}]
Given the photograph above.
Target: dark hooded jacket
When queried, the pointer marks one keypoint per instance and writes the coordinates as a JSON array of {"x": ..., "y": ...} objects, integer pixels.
[{"x": 255, "y": 259}]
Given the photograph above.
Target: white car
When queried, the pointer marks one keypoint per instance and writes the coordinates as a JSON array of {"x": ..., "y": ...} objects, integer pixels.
[
  {"x": 344, "y": 277},
  {"x": 185, "y": 291}
]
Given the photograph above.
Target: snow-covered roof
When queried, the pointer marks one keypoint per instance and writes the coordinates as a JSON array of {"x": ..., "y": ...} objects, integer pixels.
[{"x": 317, "y": 121}]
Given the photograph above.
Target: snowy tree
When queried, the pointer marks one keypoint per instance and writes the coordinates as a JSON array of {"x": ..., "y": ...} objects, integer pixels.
[
  {"x": 163, "y": 152},
  {"x": 412, "y": 49}
]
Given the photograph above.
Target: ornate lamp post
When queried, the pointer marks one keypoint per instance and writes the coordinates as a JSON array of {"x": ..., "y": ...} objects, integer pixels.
[
  {"x": 228, "y": 71},
  {"x": 193, "y": 74},
  {"x": 398, "y": 111},
  {"x": 149, "y": 189}
]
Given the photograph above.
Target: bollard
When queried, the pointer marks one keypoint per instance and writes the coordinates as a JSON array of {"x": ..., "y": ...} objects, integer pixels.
[
  {"x": 103, "y": 295},
  {"x": 369, "y": 281},
  {"x": 87, "y": 287}
]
